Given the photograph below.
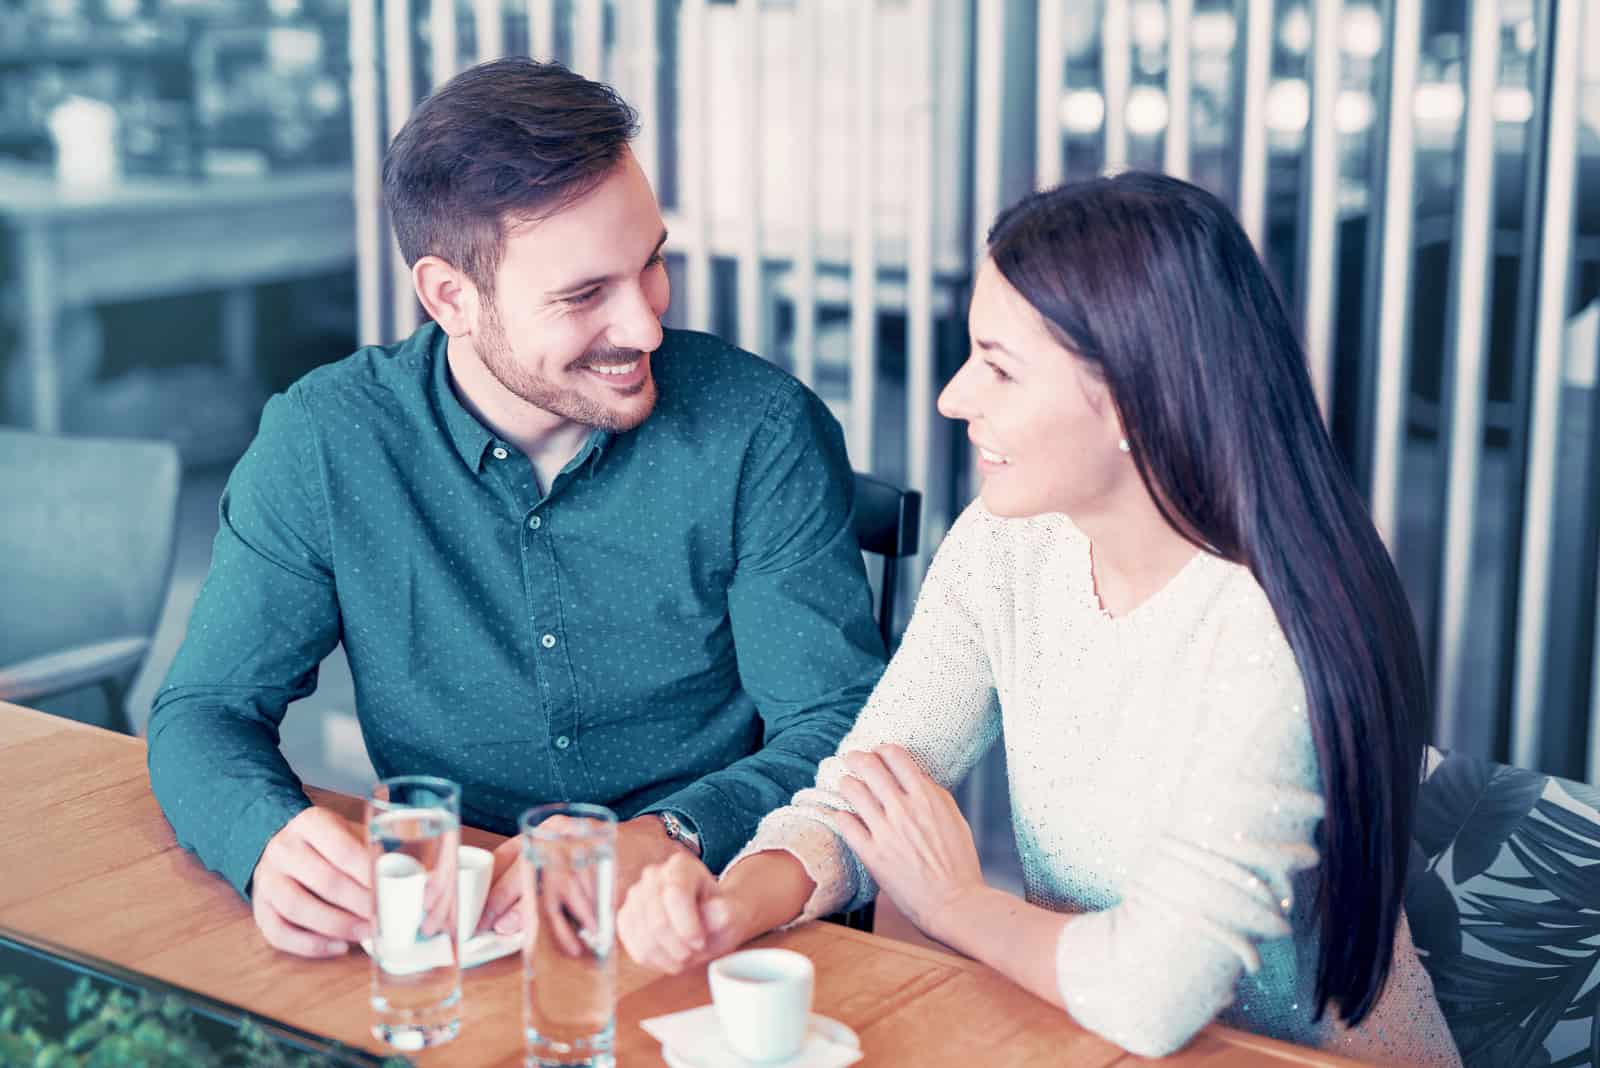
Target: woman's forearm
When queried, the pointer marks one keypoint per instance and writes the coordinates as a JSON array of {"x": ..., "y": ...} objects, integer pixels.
[
  {"x": 771, "y": 889},
  {"x": 1016, "y": 939}
]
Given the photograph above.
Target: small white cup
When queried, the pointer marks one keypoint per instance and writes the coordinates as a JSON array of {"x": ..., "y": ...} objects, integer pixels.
[
  {"x": 763, "y": 1001},
  {"x": 474, "y": 873},
  {"x": 402, "y": 882}
]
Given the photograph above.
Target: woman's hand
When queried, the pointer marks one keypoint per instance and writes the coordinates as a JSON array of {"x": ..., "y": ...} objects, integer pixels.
[
  {"x": 911, "y": 836},
  {"x": 677, "y": 916}
]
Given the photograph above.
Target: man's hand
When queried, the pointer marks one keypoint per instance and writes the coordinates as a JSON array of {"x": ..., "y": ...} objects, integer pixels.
[
  {"x": 312, "y": 888},
  {"x": 641, "y": 842},
  {"x": 677, "y": 916}
]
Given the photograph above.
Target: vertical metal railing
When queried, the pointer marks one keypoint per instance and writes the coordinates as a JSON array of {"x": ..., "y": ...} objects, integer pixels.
[
  {"x": 489, "y": 21},
  {"x": 400, "y": 96},
  {"x": 1116, "y": 69},
  {"x": 589, "y": 39},
  {"x": 695, "y": 157},
  {"x": 1175, "y": 151},
  {"x": 1256, "y": 28},
  {"x": 445, "y": 50},
  {"x": 1319, "y": 225},
  {"x": 807, "y": 31},
  {"x": 863, "y": 244},
  {"x": 1047, "y": 105},
  {"x": 1466, "y": 360},
  {"x": 1544, "y": 422},
  {"x": 1389, "y": 300},
  {"x": 750, "y": 271},
  {"x": 366, "y": 153}
]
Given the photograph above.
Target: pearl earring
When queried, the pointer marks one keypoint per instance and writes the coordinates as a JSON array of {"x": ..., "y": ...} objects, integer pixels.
[{"x": 1123, "y": 445}]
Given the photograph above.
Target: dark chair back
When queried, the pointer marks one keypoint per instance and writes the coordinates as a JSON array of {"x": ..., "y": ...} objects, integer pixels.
[{"x": 888, "y": 523}]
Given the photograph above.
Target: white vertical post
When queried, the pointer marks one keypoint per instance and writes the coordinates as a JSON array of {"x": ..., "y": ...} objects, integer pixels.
[
  {"x": 366, "y": 130},
  {"x": 1544, "y": 422},
  {"x": 589, "y": 38},
  {"x": 694, "y": 159},
  {"x": 542, "y": 29},
  {"x": 987, "y": 122},
  {"x": 401, "y": 97},
  {"x": 1394, "y": 286},
  {"x": 1116, "y": 63},
  {"x": 1047, "y": 105},
  {"x": 1469, "y": 307},
  {"x": 807, "y": 17},
  {"x": 751, "y": 273},
  {"x": 490, "y": 17},
  {"x": 919, "y": 263},
  {"x": 1321, "y": 221},
  {"x": 446, "y": 47},
  {"x": 863, "y": 254},
  {"x": 646, "y": 68},
  {"x": 1175, "y": 154},
  {"x": 1253, "y": 121}
]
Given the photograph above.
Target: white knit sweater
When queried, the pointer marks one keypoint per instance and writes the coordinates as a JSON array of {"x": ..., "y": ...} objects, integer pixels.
[{"x": 1164, "y": 786}]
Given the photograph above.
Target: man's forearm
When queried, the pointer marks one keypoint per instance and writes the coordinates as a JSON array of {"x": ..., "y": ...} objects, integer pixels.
[
  {"x": 771, "y": 887},
  {"x": 220, "y": 780}
]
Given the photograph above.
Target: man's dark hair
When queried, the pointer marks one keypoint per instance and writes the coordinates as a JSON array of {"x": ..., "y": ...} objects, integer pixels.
[{"x": 508, "y": 139}]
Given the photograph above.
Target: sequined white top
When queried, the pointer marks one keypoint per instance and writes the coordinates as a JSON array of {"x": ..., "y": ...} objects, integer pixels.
[{"x": 1163, "y": 784}]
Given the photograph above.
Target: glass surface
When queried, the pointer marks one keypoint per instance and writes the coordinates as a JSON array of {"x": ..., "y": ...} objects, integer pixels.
[
  {"x": 569, "y": 966},
  {"x": 413, "y": 833}
]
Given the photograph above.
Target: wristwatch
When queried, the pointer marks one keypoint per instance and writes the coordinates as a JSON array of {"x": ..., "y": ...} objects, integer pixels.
[{"x": 679, "y": 829}]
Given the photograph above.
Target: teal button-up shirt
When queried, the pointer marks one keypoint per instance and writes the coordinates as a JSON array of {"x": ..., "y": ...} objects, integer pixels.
[{"x": 682, "y": 621}]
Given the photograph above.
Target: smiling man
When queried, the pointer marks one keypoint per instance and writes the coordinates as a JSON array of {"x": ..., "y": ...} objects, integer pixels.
[{"x": 569, "y": 555}]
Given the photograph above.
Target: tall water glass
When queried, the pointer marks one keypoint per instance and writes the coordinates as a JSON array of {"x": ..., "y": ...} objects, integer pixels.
[
  {"x": 413, "y": 830},
  {"x": 569, "y": 963}
]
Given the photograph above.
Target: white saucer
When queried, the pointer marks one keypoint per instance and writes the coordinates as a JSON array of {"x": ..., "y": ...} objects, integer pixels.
[
  {"x": 481, "y": 948},
  {"x": 714, "y": 1052}
]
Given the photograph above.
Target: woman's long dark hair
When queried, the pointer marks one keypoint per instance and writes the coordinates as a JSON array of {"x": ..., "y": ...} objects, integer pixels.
[{"x": 1153, "y": 282}]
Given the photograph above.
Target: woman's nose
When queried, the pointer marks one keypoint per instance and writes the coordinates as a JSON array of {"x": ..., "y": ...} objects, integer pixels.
[{"x": 955, "y": 400}]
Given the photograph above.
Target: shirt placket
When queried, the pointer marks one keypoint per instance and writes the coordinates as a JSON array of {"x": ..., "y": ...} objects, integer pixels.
[{"x": 554, "y": 678}]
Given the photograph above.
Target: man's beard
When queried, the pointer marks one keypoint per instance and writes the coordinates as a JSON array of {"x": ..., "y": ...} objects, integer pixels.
[{"x": 494, "y": 350}]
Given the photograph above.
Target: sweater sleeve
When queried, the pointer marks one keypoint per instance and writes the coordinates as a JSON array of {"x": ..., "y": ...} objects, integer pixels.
[
  {"x": 936, "y": 700},
  {"x": 1151, "y": 971}
]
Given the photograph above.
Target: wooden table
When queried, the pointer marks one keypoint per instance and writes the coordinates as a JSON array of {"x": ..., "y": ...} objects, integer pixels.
[
  {"x": 92, "y": 865},
  {"x": 145, "y": 237}
]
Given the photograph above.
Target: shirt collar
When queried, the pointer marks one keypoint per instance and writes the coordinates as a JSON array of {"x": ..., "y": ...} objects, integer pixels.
[{"x": 470, "y": 437}]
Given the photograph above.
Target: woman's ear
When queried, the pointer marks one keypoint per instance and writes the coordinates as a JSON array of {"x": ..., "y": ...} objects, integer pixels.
[{"x": 448, "y": 296}]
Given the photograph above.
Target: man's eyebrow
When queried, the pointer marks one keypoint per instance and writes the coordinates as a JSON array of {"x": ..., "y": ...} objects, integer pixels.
[{"x": 602, "y": 279}]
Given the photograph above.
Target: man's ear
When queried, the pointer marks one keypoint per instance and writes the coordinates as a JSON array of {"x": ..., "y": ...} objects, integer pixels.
[{"x": 447, "y": 295}]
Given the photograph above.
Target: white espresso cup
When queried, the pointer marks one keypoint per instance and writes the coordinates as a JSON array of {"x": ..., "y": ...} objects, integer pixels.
[
  {"x": 402, "y": 885},
  {"x": 763, "y": 1001},
  {"x": 474, "y": 873}
]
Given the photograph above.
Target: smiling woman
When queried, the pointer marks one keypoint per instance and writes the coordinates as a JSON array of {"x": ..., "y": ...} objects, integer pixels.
[{"x": 1170, "y": 605}]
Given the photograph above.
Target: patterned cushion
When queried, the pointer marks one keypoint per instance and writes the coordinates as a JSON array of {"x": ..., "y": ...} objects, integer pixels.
[{"x": 1504, "y": 904}]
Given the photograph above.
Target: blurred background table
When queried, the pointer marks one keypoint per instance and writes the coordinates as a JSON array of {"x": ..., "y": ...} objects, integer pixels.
[
  {"x": 148, "y": 237},
  {"x": 91, "y": 865}
]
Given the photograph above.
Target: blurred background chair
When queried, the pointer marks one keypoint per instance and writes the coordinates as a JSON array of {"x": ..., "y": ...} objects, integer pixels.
[
  {"x": 86, "y": 550},
  {"x": 1504, "y": 904}
]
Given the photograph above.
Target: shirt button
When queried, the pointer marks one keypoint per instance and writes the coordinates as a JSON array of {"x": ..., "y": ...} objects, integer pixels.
[
  {"x": 534, "y": 522},
  {"x": 548, "y": 641},
  {"x": 563, "y": 741},
  {"x": 500, "y": 452}
]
